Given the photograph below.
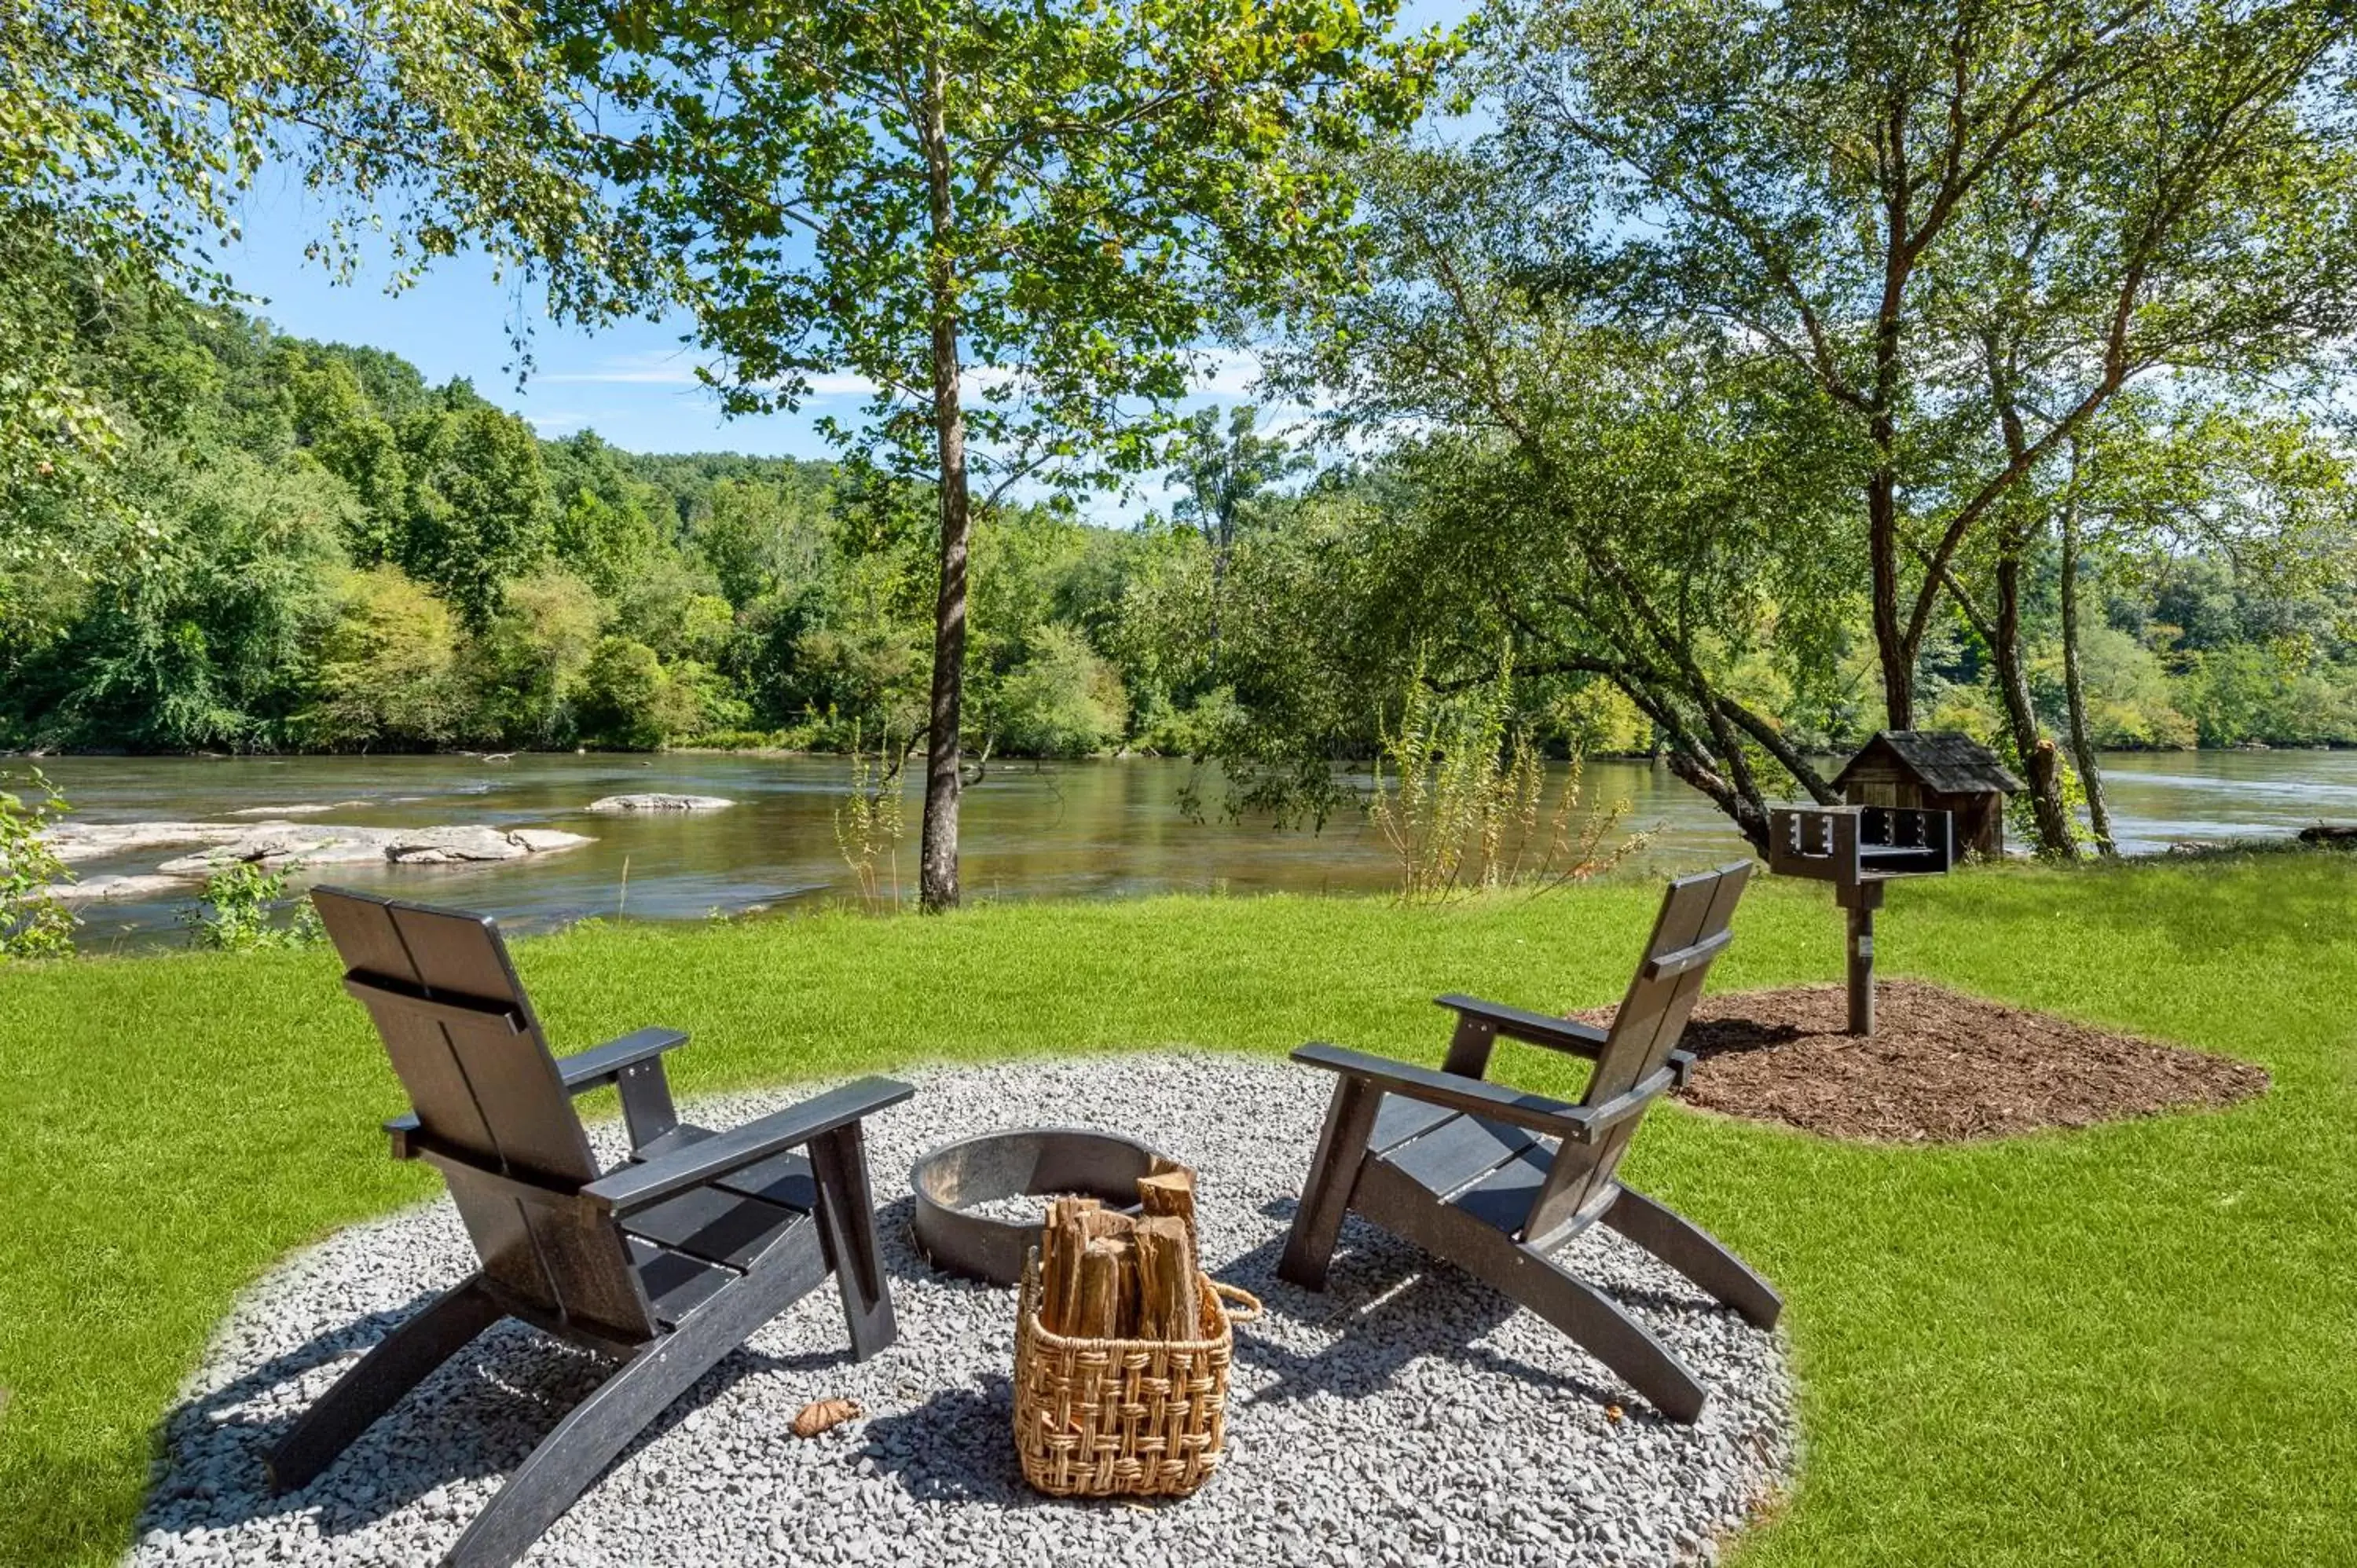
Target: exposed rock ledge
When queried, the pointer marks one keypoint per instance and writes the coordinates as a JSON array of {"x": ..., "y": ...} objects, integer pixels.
[
  {"x": 273, "y": 845},
  {"x": 72, "y": 841},
  {"x": 106, "y": 889},
  {"x": 613, "y": 804}
]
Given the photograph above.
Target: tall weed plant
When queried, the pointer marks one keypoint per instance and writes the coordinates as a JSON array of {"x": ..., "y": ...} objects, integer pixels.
[
  {"x": 868, "y": 823},
  {"x": 1461, "y": 796}
]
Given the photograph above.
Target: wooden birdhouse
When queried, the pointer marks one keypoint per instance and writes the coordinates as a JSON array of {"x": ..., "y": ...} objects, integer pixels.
[{"x": 1935, "y": 770}]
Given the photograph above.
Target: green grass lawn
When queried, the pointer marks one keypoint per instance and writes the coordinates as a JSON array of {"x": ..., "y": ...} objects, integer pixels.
[{"x": 2134, "y": 1345}]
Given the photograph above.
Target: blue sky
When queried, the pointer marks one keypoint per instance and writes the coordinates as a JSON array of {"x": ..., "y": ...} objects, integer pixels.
[{"x": 634, "y": 383}]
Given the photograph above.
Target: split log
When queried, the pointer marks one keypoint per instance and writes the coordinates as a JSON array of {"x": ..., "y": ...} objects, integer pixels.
[
  {"x": 1109, "y": 1224},
  {"x": 1107, "y": 1302},
  {"x": 1170, "y": 1191},
  {"x": 1060, "y": 1244},
  {"x": 1167, "y": 1307}
]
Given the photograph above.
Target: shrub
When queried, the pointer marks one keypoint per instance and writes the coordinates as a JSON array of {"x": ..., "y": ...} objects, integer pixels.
[
  {"x": 235, "y": 913},
  {"x": 624, "y": 696},
  {"x": 33, "y": 922},
  {"x": 386, "y": 667},
  {"x": 1063, "y": 701}
]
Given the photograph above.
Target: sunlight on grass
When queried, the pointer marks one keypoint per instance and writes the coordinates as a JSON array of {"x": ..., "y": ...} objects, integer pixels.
[{"x": 2131, "y": 1344}]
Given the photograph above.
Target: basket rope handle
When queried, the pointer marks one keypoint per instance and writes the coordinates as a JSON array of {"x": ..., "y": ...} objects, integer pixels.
[{"x": 1242, "y": 1305}]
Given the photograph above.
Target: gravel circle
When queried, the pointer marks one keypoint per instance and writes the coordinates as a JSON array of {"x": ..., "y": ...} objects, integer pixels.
[{"x": 1407, "y": 1415}]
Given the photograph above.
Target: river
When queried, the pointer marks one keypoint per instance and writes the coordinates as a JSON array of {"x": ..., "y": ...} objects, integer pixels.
[{"x": 1052, "y": 830}]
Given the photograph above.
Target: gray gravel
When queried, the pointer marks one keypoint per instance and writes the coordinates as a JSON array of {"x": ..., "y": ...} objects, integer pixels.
[{"x": 1406, "y": 1415}]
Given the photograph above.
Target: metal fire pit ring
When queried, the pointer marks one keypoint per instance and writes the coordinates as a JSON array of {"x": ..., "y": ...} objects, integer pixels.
[{"x": 1022, "y": 1163}]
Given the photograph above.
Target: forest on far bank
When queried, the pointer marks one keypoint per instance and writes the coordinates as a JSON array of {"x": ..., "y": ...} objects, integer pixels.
[{"x": 318, "y": 551}]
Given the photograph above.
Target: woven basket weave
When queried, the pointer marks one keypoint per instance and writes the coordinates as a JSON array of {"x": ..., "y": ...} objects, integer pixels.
[{"x": 1104, "y": 1418}]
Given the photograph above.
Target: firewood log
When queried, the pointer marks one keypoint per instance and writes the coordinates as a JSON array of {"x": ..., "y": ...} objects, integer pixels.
[
  {"x": 1061, "y": 1242},
  {"x": 1170, "y": 1191},
  {"x": 1107, "y": 1303},
  {"x": 1167, "y": 1307}
]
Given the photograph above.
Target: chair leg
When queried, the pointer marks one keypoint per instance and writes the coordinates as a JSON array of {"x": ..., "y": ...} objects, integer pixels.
[
  {"x": 577, "y": 1452},
  {"x": 537, "y": 1492},
  {"x": 846, "y": 1220},
  {"x": 1333, "y": 1171},
  {"x": 395, "y": 1365},
  {"x": 1695, "y": 1253},
  {"x": 1531, "y": 1278},
  {"x": 1596, "y": 1323}
]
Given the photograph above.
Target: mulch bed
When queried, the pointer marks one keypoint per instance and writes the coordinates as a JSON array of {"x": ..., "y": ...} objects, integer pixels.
[{"x": 1940, "y": 1068}]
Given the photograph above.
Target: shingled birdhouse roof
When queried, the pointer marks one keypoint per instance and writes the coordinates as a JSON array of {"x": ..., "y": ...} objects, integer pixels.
[{"x": 1946, "y": 760}]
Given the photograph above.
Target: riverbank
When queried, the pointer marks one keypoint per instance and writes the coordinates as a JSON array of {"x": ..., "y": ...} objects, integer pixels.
[
  {"x": 2125, "y": 1344},
  {"x": 1082, "y": 830}
]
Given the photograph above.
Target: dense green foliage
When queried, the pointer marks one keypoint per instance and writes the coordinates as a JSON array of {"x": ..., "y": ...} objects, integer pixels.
[
  {"x": 1770, "y": 360},
  {"x": 331, "y": 553},
  {"x": 2128, "y": 1344},
  {"x": 129, "y": 131},
  {"x": 1760, "y": 374}
]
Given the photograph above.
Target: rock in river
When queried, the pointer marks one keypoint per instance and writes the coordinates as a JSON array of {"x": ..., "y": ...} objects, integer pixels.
[
  {"x": 72, "y": 842},
  {"x": 618, "y": 804},
  {"x": 273, "y": 845},
  {"x": 105, "y": 889}
]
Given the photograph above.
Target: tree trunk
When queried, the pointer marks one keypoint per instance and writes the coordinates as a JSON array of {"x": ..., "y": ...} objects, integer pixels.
[
  {"x": 1890, "y": 640},
  {"x": 2056, "y": 837},
  {"x": 938, "y": 853},
  {"x": 1219, "y": 589},
  {"x": 2082, "y": 750}
]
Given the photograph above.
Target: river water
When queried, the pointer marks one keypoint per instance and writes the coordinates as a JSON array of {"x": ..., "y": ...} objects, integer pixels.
[{"x": 1054, "y": 829}]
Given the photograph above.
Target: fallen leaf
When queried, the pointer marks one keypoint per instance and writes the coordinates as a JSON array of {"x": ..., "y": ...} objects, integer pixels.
[
  {"x": 823, "y": 1415},
  {"x": 1611, "y": 1412}
]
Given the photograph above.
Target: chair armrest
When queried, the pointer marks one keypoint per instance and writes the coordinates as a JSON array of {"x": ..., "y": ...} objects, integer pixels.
[
  {"x": 1536, "y": 1028},
  {"x": 693, "y": 1165},
  {"x": 601, "y": 1064},
  {"x": 1478, "y": 1095}
]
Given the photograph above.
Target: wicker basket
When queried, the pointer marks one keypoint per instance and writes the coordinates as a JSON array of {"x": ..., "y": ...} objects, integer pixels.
[{"x": 1103, "y": 1417}]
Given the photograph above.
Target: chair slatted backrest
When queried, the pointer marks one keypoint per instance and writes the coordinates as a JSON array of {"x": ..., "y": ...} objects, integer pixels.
[
  {"x": 1688, "y": 933},
  {"x": 492, "y": 1107}
]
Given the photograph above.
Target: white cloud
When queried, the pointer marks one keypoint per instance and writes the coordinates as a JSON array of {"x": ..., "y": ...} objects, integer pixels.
[
  {"x": 556, "y": 424},
  {"x": 654, "y": 368},
  {"x": 1224, "y": 372},
  {"x": 838, "y": 383}
]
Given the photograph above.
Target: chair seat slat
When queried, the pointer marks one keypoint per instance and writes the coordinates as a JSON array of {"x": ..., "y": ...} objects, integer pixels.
[
  {"x": 676, "y": 1284},
  {"x": 716, "y": 1225},
  {"x": 1501, "y": 1200},
  {"x": 1458, "y": 1151},
  {"x": 1399, "y": 1119}
]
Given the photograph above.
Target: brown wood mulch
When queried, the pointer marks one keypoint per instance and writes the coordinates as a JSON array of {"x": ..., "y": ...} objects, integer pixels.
[{"x": 1940, "y": 1068}]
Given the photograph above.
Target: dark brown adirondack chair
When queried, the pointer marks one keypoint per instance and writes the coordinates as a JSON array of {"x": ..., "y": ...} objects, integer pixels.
[
  {"x": 666, "y": 1264},
  {"x": 1499, "y": 1182}
]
